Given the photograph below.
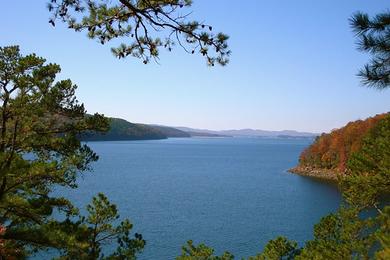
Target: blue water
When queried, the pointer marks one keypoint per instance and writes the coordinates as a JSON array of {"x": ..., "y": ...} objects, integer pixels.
[{"x": 231, "y": 193}]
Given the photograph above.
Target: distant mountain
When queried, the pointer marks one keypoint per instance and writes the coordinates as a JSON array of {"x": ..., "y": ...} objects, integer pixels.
[
  {"x": 121, "y": 129},
  {"x": 199, "y": 134},
  {"x": 250, "y": 133},
  {"x": 265, "y": 133},
  {"x": 196, "y": 131}
]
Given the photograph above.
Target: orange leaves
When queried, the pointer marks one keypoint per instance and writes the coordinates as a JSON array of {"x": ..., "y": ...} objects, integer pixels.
[{"x": 331, "y": 151}]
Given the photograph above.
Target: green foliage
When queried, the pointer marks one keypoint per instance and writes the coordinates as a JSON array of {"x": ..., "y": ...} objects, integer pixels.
[
  {"x": 41, "y": 120},
  {"x": 369, "y": 168},
  {"x": 280, "y": 248},
  {"x": 383, "y": 234},
  {"x": 342, "y": 235},
  {"x": 147, "y": 26},
  {"x": 374, "y": 37},
  {"x": 201, "y": 252},
  {"x": 349, "y": 232},
  {"x": 121, "y": 129},
  {"x": 97, "y": 229}
]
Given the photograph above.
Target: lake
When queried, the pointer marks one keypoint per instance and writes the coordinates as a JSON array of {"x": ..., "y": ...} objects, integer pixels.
[{"x": 233, "y": 194}]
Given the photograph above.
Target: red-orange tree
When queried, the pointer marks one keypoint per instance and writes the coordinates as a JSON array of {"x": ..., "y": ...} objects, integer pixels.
[{"x": 332, "y": 151}]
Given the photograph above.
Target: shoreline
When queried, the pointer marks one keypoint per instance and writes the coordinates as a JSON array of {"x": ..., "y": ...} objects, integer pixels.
[{"x": 315, "y": 173}]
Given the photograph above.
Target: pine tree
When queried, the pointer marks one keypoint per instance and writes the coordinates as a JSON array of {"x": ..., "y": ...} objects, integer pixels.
[
  {"x": 201, "y": 252},
  {"x": 146, "y": 26},
  {"x": 40, "y": 121},
  {"x": 374, "y": 37}
]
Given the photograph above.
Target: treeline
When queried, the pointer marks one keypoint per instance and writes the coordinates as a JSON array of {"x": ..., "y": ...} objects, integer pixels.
[
  {"x": 332, "y": 151},
  {"x": 120, "y": 129}
]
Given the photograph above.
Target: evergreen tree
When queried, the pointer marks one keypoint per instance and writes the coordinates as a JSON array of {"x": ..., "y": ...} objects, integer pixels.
[
  {"x": 145, "y": 25},
  {"x": 40, "y": 121},
  {"x": 201, "y": 252},
  {"x": 374, "y": 37},
  {"x": 94, "y": 236},
  {"x": 280, "y": 248},
  {"x": 369, "y": 169}
]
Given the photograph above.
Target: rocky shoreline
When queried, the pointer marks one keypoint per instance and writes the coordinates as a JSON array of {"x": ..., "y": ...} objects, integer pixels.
[{"x": 316, "y": 173}]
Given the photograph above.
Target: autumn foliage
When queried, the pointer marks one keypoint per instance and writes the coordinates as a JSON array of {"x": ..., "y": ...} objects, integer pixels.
[{"x": 332, "y": 151}]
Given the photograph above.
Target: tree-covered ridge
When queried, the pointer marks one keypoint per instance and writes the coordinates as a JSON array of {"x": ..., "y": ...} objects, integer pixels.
[
  {"x": 332, "y": 151},
  {"x": 121, "y": 130}
]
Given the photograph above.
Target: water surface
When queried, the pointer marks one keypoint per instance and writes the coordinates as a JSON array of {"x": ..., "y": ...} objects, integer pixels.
[{"x": 231, "y": 193}]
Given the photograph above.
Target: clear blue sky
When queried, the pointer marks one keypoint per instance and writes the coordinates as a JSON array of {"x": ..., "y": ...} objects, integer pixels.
[{"x": 293, "y": 67}]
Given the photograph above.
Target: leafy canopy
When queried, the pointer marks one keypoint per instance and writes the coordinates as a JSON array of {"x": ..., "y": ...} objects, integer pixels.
[
  {"x": 146, "y": 26},
  {"x": 369, "y": 168},
  {"x": 40, "y": 121}
]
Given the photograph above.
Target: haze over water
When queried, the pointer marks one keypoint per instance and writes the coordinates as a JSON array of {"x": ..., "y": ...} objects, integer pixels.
[{"x": 230, "y": 193}]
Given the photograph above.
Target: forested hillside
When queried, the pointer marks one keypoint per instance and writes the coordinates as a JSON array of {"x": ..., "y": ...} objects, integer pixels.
[
  {"x": 121, "y": 129},
  {"x": 329, "y": 153}
]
